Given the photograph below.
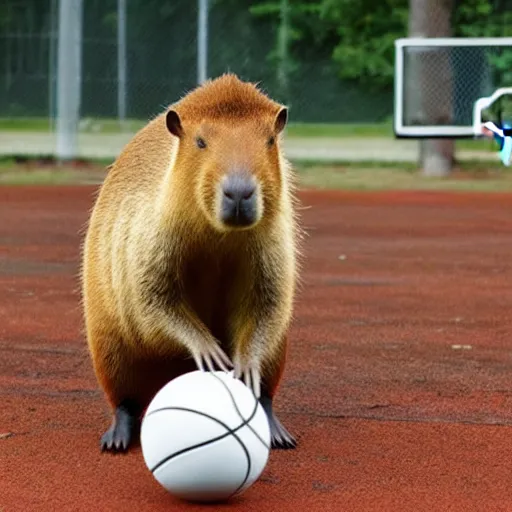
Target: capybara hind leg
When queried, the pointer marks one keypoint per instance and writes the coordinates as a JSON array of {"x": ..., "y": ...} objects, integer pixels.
[
  {"x": 280, "y": 437},
  {"x": 125, "y": 424},
  {"x": 117, "y": 375}
]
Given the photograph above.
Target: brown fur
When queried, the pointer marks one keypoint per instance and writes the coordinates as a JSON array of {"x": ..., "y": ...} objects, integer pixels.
[{"x": 161, "y": 275}]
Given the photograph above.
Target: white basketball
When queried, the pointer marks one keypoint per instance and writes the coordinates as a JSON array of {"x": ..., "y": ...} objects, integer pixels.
[{"x": 205, "y": 437}]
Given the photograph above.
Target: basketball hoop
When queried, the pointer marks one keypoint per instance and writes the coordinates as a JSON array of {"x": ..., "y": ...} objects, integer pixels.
[
  {"x": 439, "y": 82},
  {"x": 502, "y": 131}
]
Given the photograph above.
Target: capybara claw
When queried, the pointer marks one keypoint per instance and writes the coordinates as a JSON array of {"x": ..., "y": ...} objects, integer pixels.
[
  {"x": 118, "y": 437},
  {"x": 281, "y": 439},
  {"x": 212, "y": 358},
  {"x": 250, "y": 375},
  {"x": 115, "y": 440}
]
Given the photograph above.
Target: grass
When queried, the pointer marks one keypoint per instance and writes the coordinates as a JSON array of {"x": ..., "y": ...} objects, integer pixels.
[
  {"x": 26, "y": 124},
  {"x": 469, "y": 176},
  {"x": 131, "y": 125},
  {"x": 346, "y": 175},
  {"x": 38, "y": 124},
  {"x": 46, "y": 172},
  {"x": 330, "y": 130},
  {"x": 294, "y": 130},
  {"x": 337, "y": 130},
  {"x": 39, "y": 177}
]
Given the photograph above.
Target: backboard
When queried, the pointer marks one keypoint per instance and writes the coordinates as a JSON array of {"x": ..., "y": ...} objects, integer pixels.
[{"x": 449, "y": 87}]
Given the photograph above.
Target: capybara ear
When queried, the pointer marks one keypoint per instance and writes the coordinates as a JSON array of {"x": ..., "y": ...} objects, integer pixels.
[
  {"x": 281, "y": 119},
  {"x": 173, "y": 122}
]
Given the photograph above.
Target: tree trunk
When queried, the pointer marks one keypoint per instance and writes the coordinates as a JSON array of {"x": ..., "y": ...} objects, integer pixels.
[{"x": 432, "y": 104}]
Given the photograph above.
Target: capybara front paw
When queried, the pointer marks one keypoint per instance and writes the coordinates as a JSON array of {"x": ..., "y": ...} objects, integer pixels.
[
  {"x": 210, "y": 356},
  {"x": 249, "y": 373}
]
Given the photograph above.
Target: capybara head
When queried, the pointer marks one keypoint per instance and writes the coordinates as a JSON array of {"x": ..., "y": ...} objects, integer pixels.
[{"x": 229, "y": 152}]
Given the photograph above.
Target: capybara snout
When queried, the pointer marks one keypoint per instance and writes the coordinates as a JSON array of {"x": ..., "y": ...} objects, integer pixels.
[
  {"x": 229, "y": 155},
  {"x": 235, "y": 173},
  {"x": 239, "y": 203}
]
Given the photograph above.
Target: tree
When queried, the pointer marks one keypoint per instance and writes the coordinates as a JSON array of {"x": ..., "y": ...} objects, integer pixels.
[
  {"x": 364, "y": 51},
  {"x": 365, "y": 32},
  {"x": 361, "y": 33},
  {"x": 433, "y": 18},
  {"x": 289, "y": 18}
]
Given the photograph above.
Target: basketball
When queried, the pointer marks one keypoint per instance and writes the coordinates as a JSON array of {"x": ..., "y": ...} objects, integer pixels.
[{"x": 205, "y": 437}]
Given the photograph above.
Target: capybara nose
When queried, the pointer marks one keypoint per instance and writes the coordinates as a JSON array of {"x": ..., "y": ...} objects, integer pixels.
[{"x": 239, "y": 200}]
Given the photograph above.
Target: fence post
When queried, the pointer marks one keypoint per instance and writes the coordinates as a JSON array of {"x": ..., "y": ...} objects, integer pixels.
[
  {"x": 121, "y": 61},
  {"x": 69, "y": 56},
  {"x": 202, "y": 41}
]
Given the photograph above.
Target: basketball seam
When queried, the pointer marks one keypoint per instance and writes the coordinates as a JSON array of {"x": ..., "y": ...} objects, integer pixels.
[
  {"x": 238, "y": 410},
  {"x": 244, "y": 421},
  {"x": 204, "y": 443}
]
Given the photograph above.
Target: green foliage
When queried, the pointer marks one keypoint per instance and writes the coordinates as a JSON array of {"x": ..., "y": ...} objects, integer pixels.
[
  {"x": 365, "y": 32},
  {"x": 481, "y": 18},
  {"x": 293, "y": 30},
  {"x": 359, "y": 35},
  {"x": 322, "y": 57}
]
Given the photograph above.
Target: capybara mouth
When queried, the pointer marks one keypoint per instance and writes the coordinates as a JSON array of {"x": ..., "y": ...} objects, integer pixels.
[{"x": 239, "y": 206}]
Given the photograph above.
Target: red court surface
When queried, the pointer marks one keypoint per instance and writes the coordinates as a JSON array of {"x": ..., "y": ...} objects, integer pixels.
[{"x": 398, "y": 386}]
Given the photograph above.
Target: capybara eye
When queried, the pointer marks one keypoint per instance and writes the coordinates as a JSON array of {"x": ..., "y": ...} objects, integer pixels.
[
  {"x": 271, "y": 141},
  {"x": 200, "y": 143}
]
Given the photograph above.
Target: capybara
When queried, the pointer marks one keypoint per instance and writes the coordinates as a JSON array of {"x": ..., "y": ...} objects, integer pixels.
[{"x": 191, "y": 255}]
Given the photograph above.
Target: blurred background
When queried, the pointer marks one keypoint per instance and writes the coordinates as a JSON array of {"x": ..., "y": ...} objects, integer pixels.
[{"x": 330, "y": 61}]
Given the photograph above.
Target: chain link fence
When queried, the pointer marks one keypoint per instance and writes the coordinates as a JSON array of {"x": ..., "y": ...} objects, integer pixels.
[
  {"x": 444, "y": 82},
  {"x": 161, "y": 62}
]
